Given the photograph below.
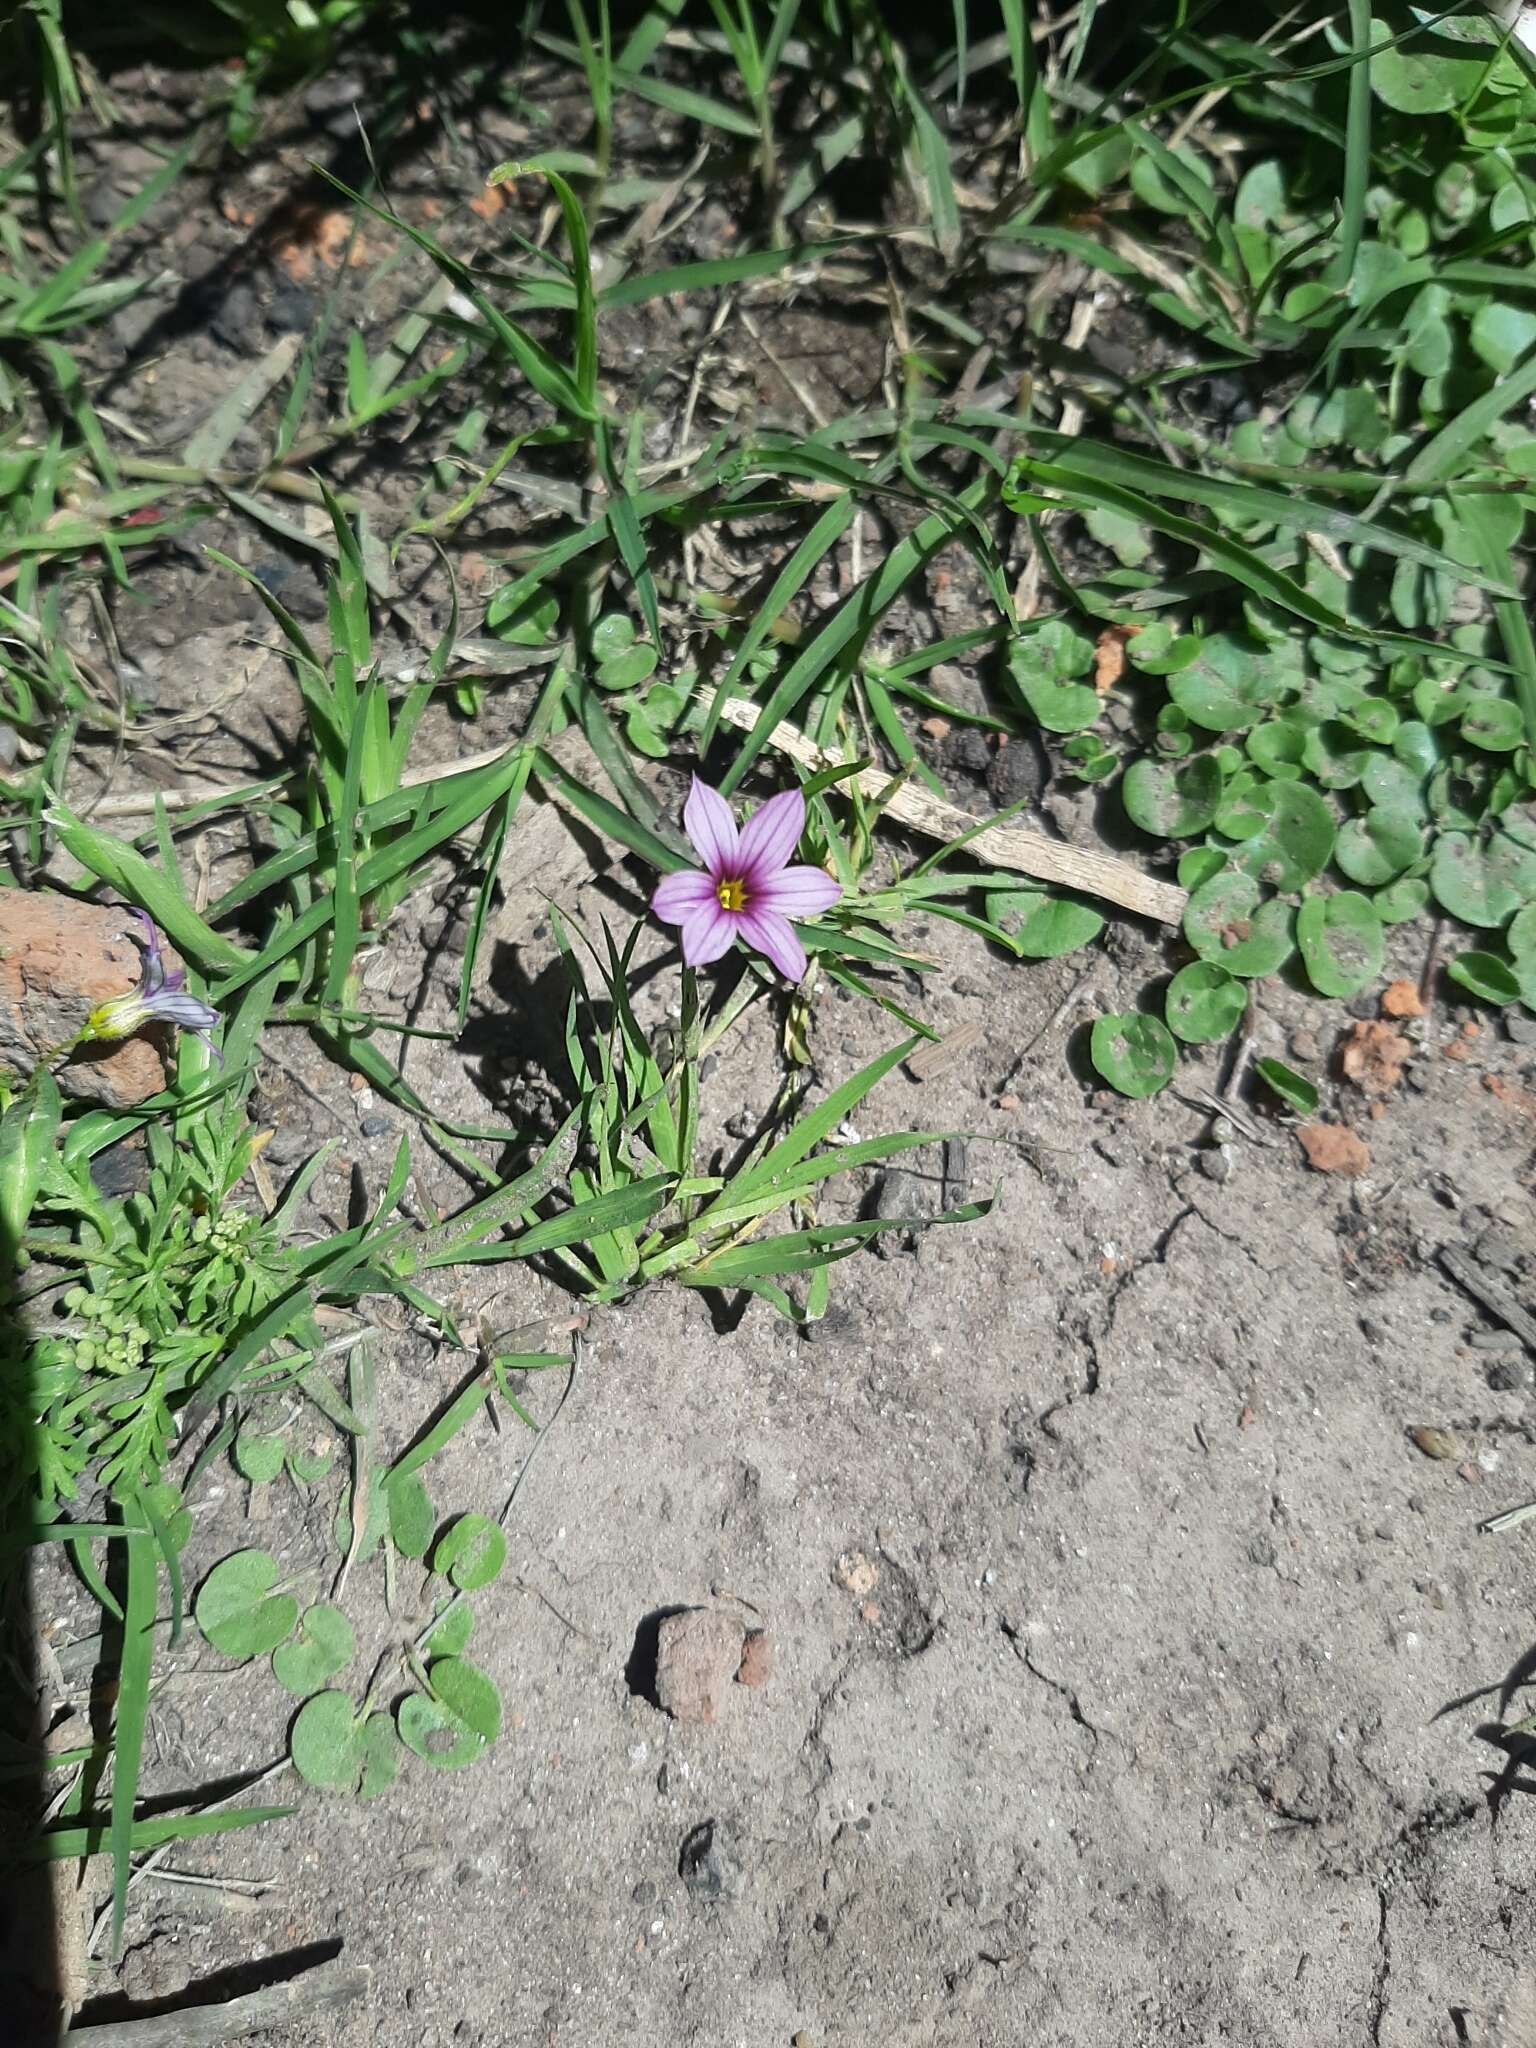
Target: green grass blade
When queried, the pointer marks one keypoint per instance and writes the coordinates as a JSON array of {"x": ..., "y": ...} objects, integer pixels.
[
  {"x": 813, "y": 1129},
  {"x": 1444, "y": 453},
  {"x": 65, "y": 1845},
  {"x": 1478, "y": 516},
  {"x": 1357, "y": 145},
  {"x": 126, "y": 870},
  {"x": 853, "y": 621},
  {"x": 829, "y": 528},
  {"x": 1243, "y": 503}
]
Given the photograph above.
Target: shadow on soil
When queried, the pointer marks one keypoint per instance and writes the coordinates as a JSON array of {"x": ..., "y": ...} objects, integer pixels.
[{"x": 32, "y": 1989}]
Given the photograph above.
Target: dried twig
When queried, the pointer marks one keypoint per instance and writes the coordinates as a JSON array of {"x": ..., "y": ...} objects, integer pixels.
[
  {"x": 1491, "y": 1293},
  {"x": 1006, "y": 846},
  {"x": 201, "y": 2026}
]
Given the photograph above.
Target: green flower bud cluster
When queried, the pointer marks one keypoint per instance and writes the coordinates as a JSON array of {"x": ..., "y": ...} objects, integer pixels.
[
  {"x": 223, "y": 1234},
  {"x": 113, "y": 1342}
]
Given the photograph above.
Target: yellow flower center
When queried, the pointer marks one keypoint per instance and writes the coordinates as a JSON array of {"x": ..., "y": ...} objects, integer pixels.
[{"x": 731, "y": 894}]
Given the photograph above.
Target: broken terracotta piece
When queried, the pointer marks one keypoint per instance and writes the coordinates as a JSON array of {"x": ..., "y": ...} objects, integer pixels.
[{"x": 59, "y": 959}]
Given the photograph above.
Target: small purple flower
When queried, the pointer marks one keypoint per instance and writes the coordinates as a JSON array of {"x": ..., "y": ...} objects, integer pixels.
[
  {"x": 160, "y": 998},
  {"x": 747, "y": 889}
]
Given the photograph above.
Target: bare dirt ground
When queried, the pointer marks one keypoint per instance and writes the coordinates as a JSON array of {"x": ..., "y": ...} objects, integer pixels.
[{"x": 1130, "y": 1653}]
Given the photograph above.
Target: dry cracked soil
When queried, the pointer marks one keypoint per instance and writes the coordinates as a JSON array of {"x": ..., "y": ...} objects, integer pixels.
[{"x": 1137, "y": 1675}]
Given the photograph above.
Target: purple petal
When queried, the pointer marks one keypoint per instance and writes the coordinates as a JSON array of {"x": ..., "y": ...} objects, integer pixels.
[
  {"x": 774, "y": 936},
  {"x": 797, "y": 892},
  {"x": 708, "y": 822},
  {"x": 708, "y": 933},
  {"x": 770, "y": 836},
  {"x": 677, "y": 897},
  {"x": 183, "y": 1010}
]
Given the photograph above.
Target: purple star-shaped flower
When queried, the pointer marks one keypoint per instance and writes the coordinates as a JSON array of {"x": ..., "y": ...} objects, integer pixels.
[{"x": 746, "y": 889}]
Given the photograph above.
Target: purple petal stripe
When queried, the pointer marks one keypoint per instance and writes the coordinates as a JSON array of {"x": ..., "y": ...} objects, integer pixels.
[
  {"x": 710, "y": 827},
  {"x": 774, "y": 937},
  {"x": 770, "y": 836},
  {"x": 183, "y": 1010},
  {"x": 707, "y": 934},
  {"x": 677, "y": 897},
  {"x": 797, "y": 892}
]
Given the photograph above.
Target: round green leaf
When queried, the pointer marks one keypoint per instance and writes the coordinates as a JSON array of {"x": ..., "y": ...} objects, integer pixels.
[
  {"x": 1057, "y": 706},
  {"x": 379, "y": 1756},
  {"x": 1277, "y": 746},
  {"x": 1395, "y": 781},
  {"x": 1126, "y": 538},
  {"x": 1341, "y": 942},
  {"x": 1377, "y": 848},
  {"x": 1158, "y": 651},
  {"x": 1492, "y": 723},
  {"x": 1230, "y": 920},
  {"x": 1198, "y": 864},
  {"x": 1043, "y": 926},
  {"x": 1501, "y": 334},
  {"x": 471, "y": 1552},
  {"x": 1487, "y": 976},
  {"x": 237, "y": 1610},
  {"x": 644, "y": 738},
  {"x": 1293, "y": 1089},
  {"x": 1375, "y": 719},
  {"x": 614, "y": 634},
  {"x": 452, "y": 1634},
  {"x": 1135, "y": 1053},
  {"x": 323, "y": 1742},
  {"x": 430, "y": 1732},
  {"x": 411, "y": 1516},
  {"x": 1172, "y": 803},
  {"x": 469, "y": 1695},
  {"x": 1091, "y": 760},
  {"x": 1521, "y": 936},
  {"x": 627, "y": 670},
  {"x": 1437, "y": 700},
  {"x": 1400, "y": 902},
  {"x": 309, "y": 1466},
  {"x": 1228, "y": 686},
  {"x": 331, "y": 1748},
  {"x": 324, "y": 1646},
  {"x": 259, "y": 1457},
  {"x": 1335, "y": 755},
  {"x": 1481, "y": 885},
  {"x": 1296, "y": 842},
  {"x": 1204, "y": 1002},
  {"x": 1246, "y": 803},
  {"x": 1415, "y": 78},
  {"x": 457, "y": 1721}
]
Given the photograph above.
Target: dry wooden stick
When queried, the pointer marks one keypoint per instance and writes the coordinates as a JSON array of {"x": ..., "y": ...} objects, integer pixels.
[
  {"x": 1007, "y": 846},
  {"x": 1494, "y": 1296},
  {"x": 203, "y": 2026}
]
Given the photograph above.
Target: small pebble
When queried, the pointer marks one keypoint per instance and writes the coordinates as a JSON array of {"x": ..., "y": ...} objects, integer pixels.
[
  {"x": 376, "y": 1127},
  {"x": 756, "y": 1659}
]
